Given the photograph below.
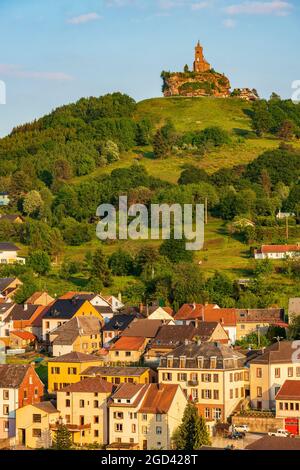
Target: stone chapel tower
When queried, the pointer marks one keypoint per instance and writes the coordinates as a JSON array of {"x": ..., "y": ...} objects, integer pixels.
[{"x": 200, "y": 64}]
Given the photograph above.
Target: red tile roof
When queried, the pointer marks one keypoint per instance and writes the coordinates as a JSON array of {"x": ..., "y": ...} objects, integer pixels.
[
  {"x": 24, "y": 335},
  {"x": 190, "y": 312},
  {"x": 90, "y": 385},
  {"x": 129, "y": 343},
  {"x": 278, "y": 248},
  {"x": 225, "y": 316},
  {"x": 290, "y": 390},
  {"x": 158, "y": 398}
]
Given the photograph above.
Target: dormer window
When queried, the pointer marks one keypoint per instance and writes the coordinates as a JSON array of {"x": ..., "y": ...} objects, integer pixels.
[
  {"x": 182, "y": 362},
  {"x": 170, "y": 361},
  {"x": 200, "y": 361},
  {"x": 213, "y": 362}
]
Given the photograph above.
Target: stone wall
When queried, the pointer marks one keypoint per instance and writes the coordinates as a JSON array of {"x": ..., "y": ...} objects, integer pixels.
[{"x": 259, "y": 424}]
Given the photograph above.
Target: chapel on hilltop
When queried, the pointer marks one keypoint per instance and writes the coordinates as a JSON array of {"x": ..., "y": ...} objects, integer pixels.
[{"x": 200, "y": 64}]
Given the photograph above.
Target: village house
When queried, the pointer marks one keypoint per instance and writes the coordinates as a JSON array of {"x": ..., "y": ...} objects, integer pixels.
[
  {"x": 9, "y": 254},
  {"x": 65, "y": 370},
  {"x": 6, "y": 326},
  {"x": 40, "y": 298},
  {"x": 81, "y": 334},
  {"x": 63, "y": 310},
  {"x": 155, "y": 312},
  {"x": 258, "y": 320},
  {"x": 170, "y": 337},
  {"x": 12, "y": 218},
  {"x": 142, "y": 328},
  {"x": 4, "y": 199},
  {"x": 9, "y": 286},
  {"x": 34, "y": 423},
  {"x": 119, "y": 375},
  {"x": 83, "y": 408},
  {"x": 19, "y": 339},
  {"x": 294, "y": 308},
  {"x": 102, "y": 304},
  {"x": 276, "y": 252},
  {"x": 19, "y": 386},
  {"x": 189, "y": 314},
  {"x": 145, "y": 416},
  {"x": 114, "y": 327},
  {"x": 288, "y": 406},
  {"x": 225, "y": 316},
  {"x": 268, "y": 372},
  {"x": 127, "y": 350},
  {"x": 212, "y": 375}
]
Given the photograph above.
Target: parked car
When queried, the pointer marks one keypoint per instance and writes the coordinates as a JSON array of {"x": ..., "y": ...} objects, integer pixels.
[
  {"x": 279, "y": 433},
  {"x": 242, "y": 428},
  {"x": 236, "y": 435}
]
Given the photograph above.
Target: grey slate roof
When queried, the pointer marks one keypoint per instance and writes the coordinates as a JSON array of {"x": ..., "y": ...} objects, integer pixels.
[
  {"x": 12, "y": 375},
  {"x": 77, "y": 326},
  {"x": 227, "y": 358}
]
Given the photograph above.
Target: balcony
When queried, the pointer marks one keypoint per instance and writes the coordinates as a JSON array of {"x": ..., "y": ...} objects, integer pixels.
[
  {"x": 193, "y": 383},
  {"x": 71, "y": 427}
]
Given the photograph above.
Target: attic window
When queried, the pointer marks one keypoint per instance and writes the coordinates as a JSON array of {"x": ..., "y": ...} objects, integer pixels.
[
  {"x": 213, "y": 362},
  {"x": 200, "y": 361},
  {"x": 182, "y": 361},
  {"x": 170, "y": 361}
]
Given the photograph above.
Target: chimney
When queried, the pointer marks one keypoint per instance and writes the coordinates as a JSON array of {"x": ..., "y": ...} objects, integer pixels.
[
  {"x": 25, "y": 307},
  {"x": 119, "y": 297},
  {"x": 194, "y": 305},
  {"x": 186, "y": 342}
]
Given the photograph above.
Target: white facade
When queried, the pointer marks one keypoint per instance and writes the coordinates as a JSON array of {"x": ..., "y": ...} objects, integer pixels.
[{"x": 9, "y": 402}]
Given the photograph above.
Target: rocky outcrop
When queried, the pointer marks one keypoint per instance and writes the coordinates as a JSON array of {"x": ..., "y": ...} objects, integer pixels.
[
  {"x": 245, "y": 94},
  {"x": 209, "y": 83}
]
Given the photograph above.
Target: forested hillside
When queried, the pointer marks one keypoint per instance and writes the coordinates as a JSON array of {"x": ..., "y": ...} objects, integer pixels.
[{"x": 244, "y": 158}]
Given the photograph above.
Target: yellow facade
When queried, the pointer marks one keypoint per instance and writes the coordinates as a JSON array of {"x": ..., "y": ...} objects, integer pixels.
[
  {"x": 85, "y": 414},
  {"x": 86, "y": 344},
  {"x": 246, "y": 328},
  {"x": 61, "y": 374},
  {"x": 216, "y": 392},
  {"x": 33, "y": 424},
  {"x": 125, "y": 376},
  {"x": 267, "y": 379}
]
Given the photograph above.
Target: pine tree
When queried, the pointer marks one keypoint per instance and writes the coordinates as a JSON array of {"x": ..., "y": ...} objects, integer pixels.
[
  {"x": 192, "y": 432},
  {"x": 62, "y": 439},
  {"x": 100, "y": 269}
]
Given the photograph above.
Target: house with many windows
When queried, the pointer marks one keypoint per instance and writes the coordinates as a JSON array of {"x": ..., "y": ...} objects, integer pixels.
[
  {"x": 145, "y": 416},
  {"x": 269, "y": 370},
  {"x": 65, "y": 370},
  {"x": 83, "y": 408},
  {"x": 212, "y": 375},
  {"x": 19, "y": 386}
]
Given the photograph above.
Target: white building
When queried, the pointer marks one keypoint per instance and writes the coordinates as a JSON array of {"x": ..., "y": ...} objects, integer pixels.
[
  {"x": 277, "y": 251},
  {"x": 9, "y": 254}
]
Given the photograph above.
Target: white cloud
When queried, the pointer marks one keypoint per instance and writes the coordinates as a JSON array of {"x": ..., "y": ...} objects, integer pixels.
[
  {"x": 17, "y": 71},
  {"x": 229, "y": 23},
  {"x": 194, "y": 5},
  {"x": 86, "y": 18},
  {"x": 275, "y": 7}
]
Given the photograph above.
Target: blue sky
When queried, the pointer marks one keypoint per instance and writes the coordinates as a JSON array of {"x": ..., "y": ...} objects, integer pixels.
[{"x": 56, "y": 51}]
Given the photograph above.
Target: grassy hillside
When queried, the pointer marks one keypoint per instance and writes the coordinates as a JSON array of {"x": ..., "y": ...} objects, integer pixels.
[
  {"x": 195, "y": 114},
  {"x": 198, "y": 113}
]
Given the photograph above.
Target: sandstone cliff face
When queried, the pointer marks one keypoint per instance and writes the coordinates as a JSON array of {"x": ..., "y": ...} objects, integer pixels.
[{"x": 208, "y": 83}]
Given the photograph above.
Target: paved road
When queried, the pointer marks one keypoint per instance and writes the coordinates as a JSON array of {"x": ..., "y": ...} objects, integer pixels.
[{"x": 238, "y": 444}]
